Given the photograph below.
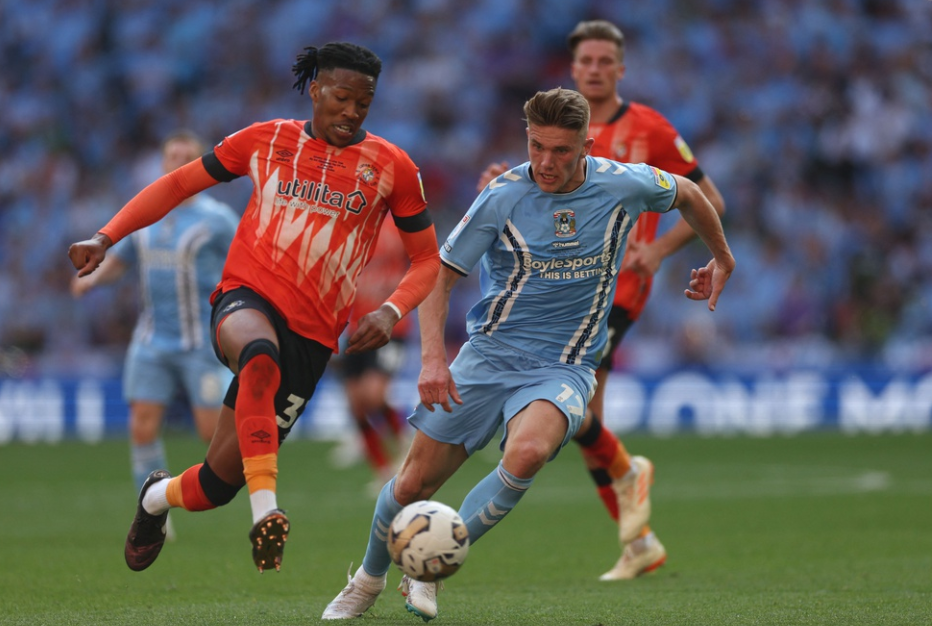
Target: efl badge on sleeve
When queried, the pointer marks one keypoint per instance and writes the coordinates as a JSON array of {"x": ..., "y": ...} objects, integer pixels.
[
  {"x": 684, "y": 150},
  {"x": 661, "y": 178}
]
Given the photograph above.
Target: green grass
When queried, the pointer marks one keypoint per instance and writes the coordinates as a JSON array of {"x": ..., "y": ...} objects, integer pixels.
[{"x": 816, "y": 529}]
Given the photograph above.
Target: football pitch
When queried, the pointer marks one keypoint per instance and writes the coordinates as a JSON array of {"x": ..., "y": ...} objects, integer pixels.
[{"x": 815, "y": 529}]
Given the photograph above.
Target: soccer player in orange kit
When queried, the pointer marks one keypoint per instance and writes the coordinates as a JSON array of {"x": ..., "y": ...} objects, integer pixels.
[
  {"x": 633, "y": 133},
  {"x": 321, "y": 191}
]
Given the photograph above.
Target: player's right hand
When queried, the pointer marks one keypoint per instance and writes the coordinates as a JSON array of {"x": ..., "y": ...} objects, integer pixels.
[
  {"x": 435, "y": 385},
  {"x": 86, "y": 256},
  {"x": 492, "y": 171},
  {"x": 706, "y": 283}
]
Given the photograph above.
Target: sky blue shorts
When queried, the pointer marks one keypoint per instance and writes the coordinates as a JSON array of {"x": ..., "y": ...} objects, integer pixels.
[
  {"x": 495, "y": 383},
  {"x": 152, "y": 375}
]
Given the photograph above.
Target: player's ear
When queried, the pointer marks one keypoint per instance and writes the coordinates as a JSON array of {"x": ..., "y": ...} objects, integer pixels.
[
  {"x": 313, "y": 91},
  {"x": 588, "y": 145}
]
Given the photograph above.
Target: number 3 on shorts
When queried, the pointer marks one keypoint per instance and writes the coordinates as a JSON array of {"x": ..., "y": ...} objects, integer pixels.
[{"x": 291, "y": 412}]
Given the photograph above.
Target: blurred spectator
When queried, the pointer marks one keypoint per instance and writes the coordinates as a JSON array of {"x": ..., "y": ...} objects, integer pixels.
[{"x": 814, "y": 117}]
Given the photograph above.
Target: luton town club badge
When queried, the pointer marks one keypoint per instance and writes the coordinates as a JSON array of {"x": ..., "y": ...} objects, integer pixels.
[{"x": 367, "y": 173}]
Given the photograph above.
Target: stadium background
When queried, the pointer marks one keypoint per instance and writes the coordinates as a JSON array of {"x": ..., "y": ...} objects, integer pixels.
[{"x": 813, "y": 118}]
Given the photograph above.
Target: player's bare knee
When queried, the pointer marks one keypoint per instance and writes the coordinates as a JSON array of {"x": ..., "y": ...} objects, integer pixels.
[
  {"x": 410, "y": 487},
  {"x": 525, "y": 458}
]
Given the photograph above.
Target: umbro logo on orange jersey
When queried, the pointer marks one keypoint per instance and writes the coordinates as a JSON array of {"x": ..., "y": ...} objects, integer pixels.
[{"x": 284, "y": 156}]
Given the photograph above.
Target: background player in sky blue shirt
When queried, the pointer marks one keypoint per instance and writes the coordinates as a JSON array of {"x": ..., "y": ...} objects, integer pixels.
[
  {"x": 549, "y": 236},
  {"x": 179, "y": 259}
]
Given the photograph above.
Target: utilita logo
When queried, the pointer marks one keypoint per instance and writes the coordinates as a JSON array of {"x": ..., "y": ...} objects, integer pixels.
[{"x": 321, "y": 194}]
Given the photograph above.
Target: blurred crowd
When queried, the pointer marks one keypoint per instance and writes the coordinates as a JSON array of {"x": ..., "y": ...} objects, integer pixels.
[{"x": 814, "y": 117}]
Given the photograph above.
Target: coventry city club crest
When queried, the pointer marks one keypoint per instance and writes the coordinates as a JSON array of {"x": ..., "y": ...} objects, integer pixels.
[{"x": 564, "y": 223}]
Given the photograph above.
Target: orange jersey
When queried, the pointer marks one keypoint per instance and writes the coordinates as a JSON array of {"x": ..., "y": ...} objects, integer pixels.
[
  {"x": 639, "y": 134},
  {"x": 384, "y": 271},
  {"x": 313, "y": 218}
]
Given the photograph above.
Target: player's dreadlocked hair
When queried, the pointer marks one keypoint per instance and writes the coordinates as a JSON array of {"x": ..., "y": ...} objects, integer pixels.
[{"x": 339, "y": 55}]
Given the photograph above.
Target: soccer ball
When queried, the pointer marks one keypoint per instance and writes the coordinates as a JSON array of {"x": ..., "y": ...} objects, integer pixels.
[{"x": 428, "y": 541}]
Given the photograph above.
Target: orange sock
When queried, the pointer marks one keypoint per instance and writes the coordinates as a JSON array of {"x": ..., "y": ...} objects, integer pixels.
[
  {"x": 605, "y": 450},
  {"x": 261, "y": 472},
  {"x": 185, "y": 491}
]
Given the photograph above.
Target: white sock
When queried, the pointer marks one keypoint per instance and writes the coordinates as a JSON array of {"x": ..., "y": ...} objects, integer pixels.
[
  {"x": 263, "y": 501},
  {"x": 155, "y": 502},
  {"x": 368, "y": 579}
]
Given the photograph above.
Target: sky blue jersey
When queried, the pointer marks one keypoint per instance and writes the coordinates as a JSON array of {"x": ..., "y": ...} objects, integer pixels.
[
  {"x": 180, "y": 259},
  {"x": 549, "y": 261}
]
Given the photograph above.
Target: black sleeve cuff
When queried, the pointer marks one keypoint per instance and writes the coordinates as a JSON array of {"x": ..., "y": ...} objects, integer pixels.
[
  {"x": 216, "y": 169},
  {"x": 413, "y": 223}
]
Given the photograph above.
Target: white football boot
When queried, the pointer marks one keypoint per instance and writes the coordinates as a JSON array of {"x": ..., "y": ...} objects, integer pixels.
[
  {"x": 633, "y": 493},
  {"x": 359, "y": 594},
  {"x": 639, "y": 557},
  {"x": 420, "y": 598}
]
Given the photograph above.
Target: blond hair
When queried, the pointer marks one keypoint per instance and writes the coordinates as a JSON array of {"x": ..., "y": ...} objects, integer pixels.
[{"x": 563, "y": 108}]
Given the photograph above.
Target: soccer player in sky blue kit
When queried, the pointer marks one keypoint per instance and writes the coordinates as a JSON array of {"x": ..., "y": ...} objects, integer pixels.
[
  {"x": 179, "y": 260},
  {"x": 549, "y": 236}
]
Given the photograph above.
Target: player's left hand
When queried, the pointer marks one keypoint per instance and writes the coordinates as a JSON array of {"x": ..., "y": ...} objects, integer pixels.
[
  {"x": 706, "y": 283},
  {"x": 641, "y": 258},
  {"x": 373, "y": 331}
]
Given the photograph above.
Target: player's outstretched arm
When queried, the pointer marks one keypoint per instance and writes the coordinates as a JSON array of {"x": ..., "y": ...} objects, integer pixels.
[
  {"x": 435, "y": 383},
  {"x": 147, "y": 207},
  {"x": 645, "y": 258},
  {"x": 705, "y": 283}
]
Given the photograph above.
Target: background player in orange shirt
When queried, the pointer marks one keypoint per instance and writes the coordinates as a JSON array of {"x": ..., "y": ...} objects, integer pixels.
[
  {"x": 367, "y": 376},
  {"x": 633, "y": 133},
  {"x": 321, "y": 191}
]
